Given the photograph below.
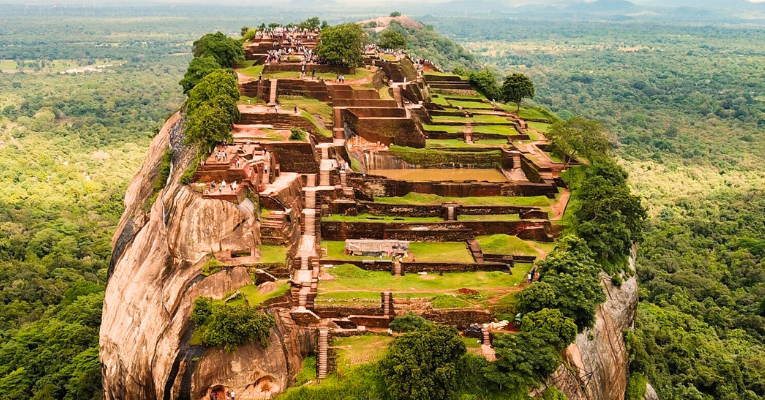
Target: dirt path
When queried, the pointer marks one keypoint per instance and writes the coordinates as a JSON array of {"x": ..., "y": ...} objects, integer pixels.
[
  {"x": 560, "y": 207},
  {"x": 542, "y": 253}
]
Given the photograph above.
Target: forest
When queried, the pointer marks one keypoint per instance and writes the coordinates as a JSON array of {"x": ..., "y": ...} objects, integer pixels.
[
  {"x": 685, "y": 100},
  {"x": 686, "y": 104}
]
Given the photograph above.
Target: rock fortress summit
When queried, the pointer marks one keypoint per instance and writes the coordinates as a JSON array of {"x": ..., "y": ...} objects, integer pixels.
[{"x": 344, "y": 197}]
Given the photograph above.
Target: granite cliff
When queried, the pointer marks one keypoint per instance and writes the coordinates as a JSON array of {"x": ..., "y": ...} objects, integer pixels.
[{"x": 155, "y": 275}]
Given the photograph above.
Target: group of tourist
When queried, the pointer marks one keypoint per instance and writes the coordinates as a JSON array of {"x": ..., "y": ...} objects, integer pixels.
[
  {"x": 223, "y": 186},
  {"x": 220, "y": 155},
  {"x": 340, "y": 79}
]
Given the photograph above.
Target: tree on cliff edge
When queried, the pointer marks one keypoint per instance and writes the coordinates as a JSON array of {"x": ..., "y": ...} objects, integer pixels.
[
  {"x": 516, "y": 88},
  {"x": 342, "y": 44},
  {"x": 390, "y": 39},
  {"x": 211, "y": 109},
  {"x": 225, "y": 50}
]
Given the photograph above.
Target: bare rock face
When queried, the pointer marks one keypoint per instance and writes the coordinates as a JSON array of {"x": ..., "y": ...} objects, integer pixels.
[
  {"x": 598, "y": 359},
  {"x": 155, "y": 276}
]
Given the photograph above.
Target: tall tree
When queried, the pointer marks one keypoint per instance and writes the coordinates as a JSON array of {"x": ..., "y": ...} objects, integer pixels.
[
  {"x": 422, "y": 365},
  {"x": 342, "y": 44},
  {"x": 516, "y": 88},
  {"x": 580, "y": 136},
  {"x": 199, "y": 67},
  {"x": 390, "y": 39},
  {"x": 225, "y": 50}
]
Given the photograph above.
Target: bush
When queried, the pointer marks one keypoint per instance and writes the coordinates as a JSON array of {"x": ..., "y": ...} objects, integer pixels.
[
  {"x": 485, "y": 82},
  {"x": 636, "y": 387},
  {"x": 409, "y": 322},
  {"x": 231, "y": 326},
  {"x": 297, "y": 134},
  {"x": 212, "y": 266},
  {"x": 395, "y": 14},
  {"x": 422, "y": 365}
]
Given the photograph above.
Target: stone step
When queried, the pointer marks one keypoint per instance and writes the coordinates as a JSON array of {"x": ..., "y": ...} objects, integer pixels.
[{"x": 272, "y": 98}]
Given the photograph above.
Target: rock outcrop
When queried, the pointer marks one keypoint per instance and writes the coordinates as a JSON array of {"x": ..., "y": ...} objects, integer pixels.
[
  {"x": 596, "y": 364},
  {"x": 155, "y": 276}
]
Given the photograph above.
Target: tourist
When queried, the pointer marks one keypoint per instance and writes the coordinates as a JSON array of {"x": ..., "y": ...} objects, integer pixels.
[
  {"x": 233, "y": 395},
  {"x": 212, "y": 396},
  {"x": 296, "y": 110}
]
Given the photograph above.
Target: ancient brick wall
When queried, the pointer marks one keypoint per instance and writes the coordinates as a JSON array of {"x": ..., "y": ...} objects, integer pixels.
[
  {"x": 460, "y": 318},
  {"x": 426, "y": 231},
  {"x": 297, "y": 157}
]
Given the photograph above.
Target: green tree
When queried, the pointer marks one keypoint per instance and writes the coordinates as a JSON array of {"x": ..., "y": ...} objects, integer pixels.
[
  {"x": 395, "y": 14},
  {"x": 537, "y": 296},
  {"x": 608, "y": 217},
  {"x": 580, "y": 136},
  {"x": 485, "y": 81},
  {"x": 550, "y": 325},
  {"x": 199, "y": 67},
  {"x": 225, "y": 50},
  {"x": 390, "y": 39},
  {"x": 522, "y": 361},
  {"x": 572, "y": 273},
  {"x": 310, "y": 23},
  {"x": 342, "y": 44},
  {"x": 422, "y": 365},
  {"x": 212, "y": 109},
  {"x": 243, "y": 30},
  {"x": 516, "y": 88},
  {"x": 232, "y": 326},
  {"x": 409, "y": 322}
]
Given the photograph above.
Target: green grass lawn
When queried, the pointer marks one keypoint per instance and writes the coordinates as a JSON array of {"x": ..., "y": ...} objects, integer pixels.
[
  {"x": 385, "y": 93},
  {"x": 420, "y": 198},
  {"x": 504, "y": 130},
  {"x": 540, "y": 127},
  {"x": 379, "y": 218},
  {"x": 327, "y": 76},
  {"x": 312, "y": 106},
  {"x": 489, "y": 119},
  {"x": 449, "y": 301},
  {"x": 554, "y": 157},
  {"x": 250, "y": 292},
  {"x": 349, "y": 278},
  {"x": 456, "y": 252},
  {"x": 323, "y": 132},
  {"x": 457, "y": 143},
  {"x": 440, "y": 100},
  {"x": 493, "y": 217},
  {"x": 505, "y": 244},
  {"x": 355, "y": 350},
  {"x": 471, "y": 105},
  {"x": 445, "y": 128},
  {"x": 250, "y": 69},
  {"x": 272, "y": 254}
]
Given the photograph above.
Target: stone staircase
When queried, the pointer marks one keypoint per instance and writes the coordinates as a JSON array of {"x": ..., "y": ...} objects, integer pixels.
[
  {"x": 272, "y": 93},
  {"x": 323, "y": 361}
]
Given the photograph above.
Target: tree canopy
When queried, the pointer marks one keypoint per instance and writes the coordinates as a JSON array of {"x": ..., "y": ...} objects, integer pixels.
[
  {"x": 225, "y": 50},
  {"x": 211, "y": 109},
  {"x": 580, "y": 136},
  {"x": 422, "y": 365},
  {"x": 342, "y": 44},
  {"x": 390, "y": 39},
  {"x": 199, "y": 67},
  {"x": 516, "y": 88},
  {"x": 231, "y": 326},
  {"x": 485, "y": 81}
]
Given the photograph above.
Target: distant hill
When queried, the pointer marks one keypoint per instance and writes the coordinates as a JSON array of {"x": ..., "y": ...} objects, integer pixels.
[{"x": 384, "y": 22}]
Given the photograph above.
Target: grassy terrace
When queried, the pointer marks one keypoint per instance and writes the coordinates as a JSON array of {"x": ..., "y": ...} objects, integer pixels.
[
  {"x": 500, "y": 130},
  {"x": 471, "y": 105},
  {"x": 457, "y": 143},
  {"x": 272, "y": 254},
  {"x": 489, "y": 119},
  {"x": 420, "y": 198},
  {"x": 355, "y": 350},
  {"x": 506, "y": 244},
  {"x": 456, "y": 252},
  {"x": 379, "y": 218},
  {"x": 312, "y": 106},
  {"x": 354, "y": 285},
  {"x": 351, "y": 278},
  {"x": 430, "y": 156},
  {"x": 250, "y": 293}
]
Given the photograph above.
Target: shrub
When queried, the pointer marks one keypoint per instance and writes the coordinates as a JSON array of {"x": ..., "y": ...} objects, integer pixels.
[
  {"x": 297, "y": 134},
  {"x": 409, "y": 322},
  {"x": 231, "y": 326},
  {"x": 212, "y": 266},
  {"x": 636, "y": 387},
  {"x": 422, "y": 365}
]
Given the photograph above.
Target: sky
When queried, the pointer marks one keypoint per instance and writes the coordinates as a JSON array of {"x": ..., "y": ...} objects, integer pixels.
[{"x": 256, "y": 2}]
